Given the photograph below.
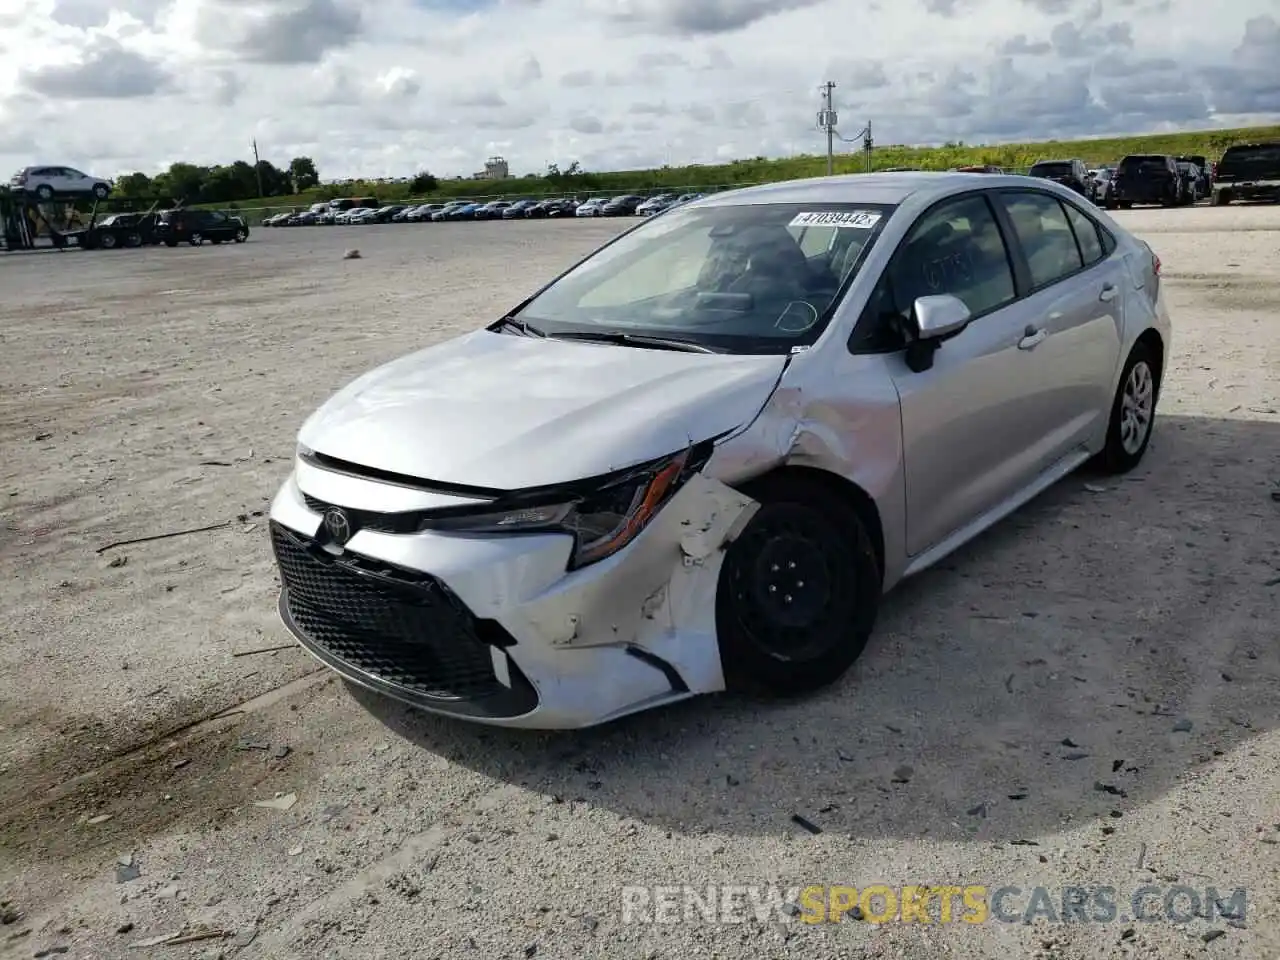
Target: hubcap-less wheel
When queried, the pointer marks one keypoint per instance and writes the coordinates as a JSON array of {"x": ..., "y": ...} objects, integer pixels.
[
  {"x": 788, "y": 587},
  {"x": 1136, "y": 406},
  {"x": 798, "y": 590}
]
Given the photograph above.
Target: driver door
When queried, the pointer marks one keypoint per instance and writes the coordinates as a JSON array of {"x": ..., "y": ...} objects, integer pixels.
[{"x": 963, "y": 449}]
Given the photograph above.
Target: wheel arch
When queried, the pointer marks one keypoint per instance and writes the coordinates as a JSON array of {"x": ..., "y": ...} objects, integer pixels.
[
  {"x": 1151, "y": 339},
  {"x": 861, "y": 502}
]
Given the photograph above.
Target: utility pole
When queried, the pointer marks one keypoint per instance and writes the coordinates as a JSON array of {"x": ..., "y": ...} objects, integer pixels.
[
  {"x": 827, "y": 120},
  {"x": 256, "y": 168},
  {"x": 867, "y": 146}
]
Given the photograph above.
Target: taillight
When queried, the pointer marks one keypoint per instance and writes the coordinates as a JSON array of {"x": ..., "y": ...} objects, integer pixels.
[{"x": 1155, "y": 263}]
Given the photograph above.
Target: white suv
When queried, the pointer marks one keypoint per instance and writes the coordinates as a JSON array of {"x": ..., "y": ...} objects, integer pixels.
[{"x": 46, "y": 182}]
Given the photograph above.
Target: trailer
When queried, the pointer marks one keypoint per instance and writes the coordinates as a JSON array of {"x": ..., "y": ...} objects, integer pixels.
[
  {"x": 117, "y": 230},
  {"x": 22, "y": 218}
]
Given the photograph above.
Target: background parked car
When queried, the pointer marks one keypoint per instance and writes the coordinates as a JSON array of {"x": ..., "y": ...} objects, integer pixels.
[
  {"x": 1205, "y": 180},
  {"x": 655, "y": 204},
  {"x": 1147, "y": 178},
  {"x": 591, "y": 208},
  {"x": 1248, "y": 171},
  {"x": 623, "y": 206},
  {"x": 1189, "y": 185},
  {"x": 445, "y": 212},
  {"x": 463, "y": 211},
  {"x": 519, "y": 209},
  {"x": 1069, "y": 173},
  {"x": 45, "y": 182},
  {"x": 1100, "y": 184},
  {"x": 196, "y": 226}
]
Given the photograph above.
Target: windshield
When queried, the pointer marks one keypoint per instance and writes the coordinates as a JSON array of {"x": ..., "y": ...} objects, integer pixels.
[
  {"x": 1054, "y": 169},
  {"x": 750, "y": 278}
]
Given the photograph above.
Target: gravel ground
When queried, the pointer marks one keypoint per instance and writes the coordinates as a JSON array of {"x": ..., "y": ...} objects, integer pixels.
[{"x": 1085, "y": 696}]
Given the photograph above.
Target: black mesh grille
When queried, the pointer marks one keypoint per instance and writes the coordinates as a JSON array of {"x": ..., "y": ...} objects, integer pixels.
[{"x": 401, "y": 627}]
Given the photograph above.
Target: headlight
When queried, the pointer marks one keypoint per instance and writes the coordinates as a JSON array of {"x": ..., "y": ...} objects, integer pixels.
[{"x": 602, "y": 520}]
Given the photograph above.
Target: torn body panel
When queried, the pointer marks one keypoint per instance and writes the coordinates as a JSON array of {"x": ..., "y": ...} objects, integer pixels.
[{"x": 854, "y": 433}]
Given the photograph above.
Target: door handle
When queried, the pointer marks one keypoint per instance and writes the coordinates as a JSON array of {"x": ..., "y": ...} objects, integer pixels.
[
  {"x": 1108, "y": 292},
  {"x": 1031, "y": 339}
]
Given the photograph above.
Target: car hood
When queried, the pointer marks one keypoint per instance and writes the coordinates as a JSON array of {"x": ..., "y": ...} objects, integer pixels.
[{"x": 508, "y": 412}]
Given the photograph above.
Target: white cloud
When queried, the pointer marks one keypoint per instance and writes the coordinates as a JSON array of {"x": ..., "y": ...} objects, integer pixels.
[{"x": 386, "y": 89}]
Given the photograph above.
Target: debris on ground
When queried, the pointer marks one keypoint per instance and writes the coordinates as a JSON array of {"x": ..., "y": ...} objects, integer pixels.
[
  {"x": 182, "y": 936},
  {"x": 163, "y": 536},
  {"x": 351, "y": 255},
  {"x": 279, "y": 646},
  {"x": 127, "y": 868},
  {"x": 100, "y": 818},
  {"x": 278, "y": 802},
  {"x": 808, "y": 825}
]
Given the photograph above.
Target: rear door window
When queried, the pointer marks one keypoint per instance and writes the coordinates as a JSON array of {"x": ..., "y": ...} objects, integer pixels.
[
  {"x": 1045, "y": 236},
  {"x": 1086, "y": 233}
]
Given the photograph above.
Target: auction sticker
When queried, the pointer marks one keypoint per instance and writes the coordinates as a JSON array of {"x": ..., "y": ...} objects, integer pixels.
[{"x": 851, "y": 219}]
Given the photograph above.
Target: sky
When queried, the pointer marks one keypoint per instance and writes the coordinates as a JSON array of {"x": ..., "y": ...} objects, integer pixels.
[{"x": 396, "y": 87}]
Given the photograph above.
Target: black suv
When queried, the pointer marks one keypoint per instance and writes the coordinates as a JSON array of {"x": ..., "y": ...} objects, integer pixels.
[
  {"x": 1248, "y": 171},
  {"x": 1146, "y": 178},
  {"x": 1069, "y": 173},
  {"x": 197, "y": 226}
]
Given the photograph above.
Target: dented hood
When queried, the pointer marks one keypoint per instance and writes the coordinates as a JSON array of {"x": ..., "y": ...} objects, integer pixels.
[{"x": 508, "y": 412}]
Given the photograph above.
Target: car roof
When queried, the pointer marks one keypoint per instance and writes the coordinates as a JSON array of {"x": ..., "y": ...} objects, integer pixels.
[{"x": 887, "y": 188}]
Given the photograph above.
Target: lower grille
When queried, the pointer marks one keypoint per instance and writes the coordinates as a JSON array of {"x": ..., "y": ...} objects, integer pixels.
[{"x": 397, "y": 627}]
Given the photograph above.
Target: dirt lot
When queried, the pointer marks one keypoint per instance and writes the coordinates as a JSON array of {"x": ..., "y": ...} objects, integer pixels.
[{"x": 1087, "y": 695}]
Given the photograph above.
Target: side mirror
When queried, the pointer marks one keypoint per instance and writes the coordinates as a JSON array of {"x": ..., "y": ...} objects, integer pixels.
[{"x": 940, "y": 315}]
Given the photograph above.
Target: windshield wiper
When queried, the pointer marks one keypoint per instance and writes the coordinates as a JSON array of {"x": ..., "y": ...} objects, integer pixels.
[
  {"x": 635, "y": 340},
  {"x": 524, "y": 326}
]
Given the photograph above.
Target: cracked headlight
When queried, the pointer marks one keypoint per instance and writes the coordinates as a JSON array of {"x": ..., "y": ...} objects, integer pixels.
[{"x": 602, "y": 520}]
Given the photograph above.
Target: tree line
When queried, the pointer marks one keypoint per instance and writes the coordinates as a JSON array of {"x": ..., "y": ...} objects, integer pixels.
[{"x": 228, "y": 183}]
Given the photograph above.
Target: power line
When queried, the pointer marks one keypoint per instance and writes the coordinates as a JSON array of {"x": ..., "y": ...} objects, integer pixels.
[{"x": 827, "y": 120}]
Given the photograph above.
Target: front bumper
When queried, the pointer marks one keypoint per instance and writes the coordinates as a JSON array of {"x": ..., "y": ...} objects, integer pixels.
[{"x": 492, "y": 628}]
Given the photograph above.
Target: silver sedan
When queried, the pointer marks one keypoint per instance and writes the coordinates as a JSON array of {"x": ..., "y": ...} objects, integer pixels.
[{"x": 699, "y": 458}]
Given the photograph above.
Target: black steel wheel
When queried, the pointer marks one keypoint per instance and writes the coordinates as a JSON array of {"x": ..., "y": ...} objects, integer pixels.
[{"x": 798, "y": 591}]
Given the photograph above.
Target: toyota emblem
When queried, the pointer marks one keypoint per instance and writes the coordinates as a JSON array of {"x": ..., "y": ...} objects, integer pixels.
[{"x": 338, "y": 525}]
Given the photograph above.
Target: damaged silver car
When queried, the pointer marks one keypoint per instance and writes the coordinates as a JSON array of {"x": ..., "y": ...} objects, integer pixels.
[{"x": 698, "y": 458}]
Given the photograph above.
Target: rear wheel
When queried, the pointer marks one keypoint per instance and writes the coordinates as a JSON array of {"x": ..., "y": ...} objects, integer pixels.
[
  {"x": 133, "y": 240},
  {"x": 100, "y": 190},
  {"x": 798, "y": 592},
  {"x": 107, "y": 241},
  {"x": 1133, "y": 412}
]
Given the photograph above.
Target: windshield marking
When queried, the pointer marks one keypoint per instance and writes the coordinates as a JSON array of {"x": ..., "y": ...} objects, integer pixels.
[{"x": 852, "y": 219}]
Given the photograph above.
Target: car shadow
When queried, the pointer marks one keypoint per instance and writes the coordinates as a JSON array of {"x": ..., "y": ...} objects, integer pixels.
[{"x": 1077, "y": 659}]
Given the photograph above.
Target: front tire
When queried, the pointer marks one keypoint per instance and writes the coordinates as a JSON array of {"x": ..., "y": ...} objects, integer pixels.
[
  {"x": 196, "y": 239},
  {"x": 1133, "y": 412},
  {"x": 100, "y": 190},
  {"x": 241, "y": 236},
  {"x": 798, "y": 592}
]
